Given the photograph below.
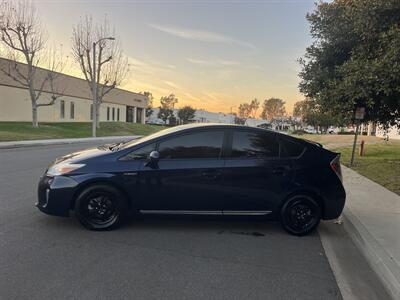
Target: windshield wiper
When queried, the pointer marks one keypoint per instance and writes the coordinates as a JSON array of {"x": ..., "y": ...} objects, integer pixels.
[
  {"x": 108, "y": 146},
  {"x": 116, "y": 146}
]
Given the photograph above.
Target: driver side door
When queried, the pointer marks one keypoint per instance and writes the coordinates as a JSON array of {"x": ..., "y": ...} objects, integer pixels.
[{"x": 188, "y": 176}]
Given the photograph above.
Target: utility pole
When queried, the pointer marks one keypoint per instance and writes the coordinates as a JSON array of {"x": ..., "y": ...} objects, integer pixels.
[{"x": 232, "y": 117}]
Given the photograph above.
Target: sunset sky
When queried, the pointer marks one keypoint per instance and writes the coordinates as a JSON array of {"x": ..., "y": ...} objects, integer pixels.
[{"x": 210, "y": 54}]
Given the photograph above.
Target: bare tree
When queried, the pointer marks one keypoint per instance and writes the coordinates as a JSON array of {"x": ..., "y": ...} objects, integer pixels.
[
  {"x": 100, "y": 58},
  {"x": 244, "y": 112},
  {"x": 166, "y": 111},
  {"x": 23, "y": 39},
  {"x": 254, "y": 104},
  {"x": 273, "y": 108},
  {"x": 149, "y": 109},
  {"x": 247, "y": 110}
]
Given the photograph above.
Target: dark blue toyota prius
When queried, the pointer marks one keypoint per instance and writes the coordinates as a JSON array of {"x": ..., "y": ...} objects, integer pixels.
[{"x": 211, "y": 169}]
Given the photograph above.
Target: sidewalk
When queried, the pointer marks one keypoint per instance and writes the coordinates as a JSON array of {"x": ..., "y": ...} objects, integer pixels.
[
  {"x": 30, "y": 143},
  {"x": 372, "y": 219}
]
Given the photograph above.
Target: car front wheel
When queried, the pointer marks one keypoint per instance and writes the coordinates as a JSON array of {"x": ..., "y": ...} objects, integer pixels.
[
  {"x": 101, "y": 207},
  {"x": 300, "y": 215}
]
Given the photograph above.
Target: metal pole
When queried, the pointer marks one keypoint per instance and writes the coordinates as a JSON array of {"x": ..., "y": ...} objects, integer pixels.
[
  {"x": 354, "y": 145},
  {"x": 94, "y": 91}
]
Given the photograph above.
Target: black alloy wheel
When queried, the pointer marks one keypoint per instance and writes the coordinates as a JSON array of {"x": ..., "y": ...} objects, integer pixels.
[
  {"x": 300, "y": 215},
  {"x": 100, "y": 207}
]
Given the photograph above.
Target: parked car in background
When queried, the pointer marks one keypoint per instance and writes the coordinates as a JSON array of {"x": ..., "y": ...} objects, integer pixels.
[
  {"x": 333, "y": 130},
  {"x": 198, "y": 169},
  {"x": 265, "y": 126},
  {"x": 310, "y": 130}
]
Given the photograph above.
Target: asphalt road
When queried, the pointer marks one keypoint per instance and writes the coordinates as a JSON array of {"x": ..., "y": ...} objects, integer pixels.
[{"x": 45, "y": 257}]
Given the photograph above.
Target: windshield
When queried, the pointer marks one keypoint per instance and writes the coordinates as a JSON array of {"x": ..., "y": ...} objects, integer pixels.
[{"x": 147, "y": 138}]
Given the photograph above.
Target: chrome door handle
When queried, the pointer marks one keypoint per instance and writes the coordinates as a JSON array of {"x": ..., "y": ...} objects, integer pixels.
[{"x": 131, "y": 174}]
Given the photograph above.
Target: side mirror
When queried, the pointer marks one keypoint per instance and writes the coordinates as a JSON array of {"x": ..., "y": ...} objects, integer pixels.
[
  {"x": 154, "y": 155},
  {"x": 152, "y": 161}
]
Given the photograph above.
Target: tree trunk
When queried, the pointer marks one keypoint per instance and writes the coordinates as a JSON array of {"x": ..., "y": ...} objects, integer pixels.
[
  {"x": 34, "y": 115},
  {"x": 32, "y": 94},
  {"x": 98, "y": 116}
]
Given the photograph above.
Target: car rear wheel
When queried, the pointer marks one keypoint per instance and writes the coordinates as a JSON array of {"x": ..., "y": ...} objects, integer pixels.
[
  {"x": 300, "y": 215},
  {"x": 101, "y": 207}
]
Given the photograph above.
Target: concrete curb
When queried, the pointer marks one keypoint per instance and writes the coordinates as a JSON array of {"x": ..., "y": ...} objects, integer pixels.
[
  {"x": 380, "y": 261},
  {"x": 33, "y": 143}
]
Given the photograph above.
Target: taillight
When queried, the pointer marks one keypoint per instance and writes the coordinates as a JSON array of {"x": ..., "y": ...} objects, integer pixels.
[{"x": 335, "y": 166}]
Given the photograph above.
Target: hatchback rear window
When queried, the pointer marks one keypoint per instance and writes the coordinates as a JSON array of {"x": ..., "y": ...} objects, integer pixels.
[{"x": 291, "y": 148}]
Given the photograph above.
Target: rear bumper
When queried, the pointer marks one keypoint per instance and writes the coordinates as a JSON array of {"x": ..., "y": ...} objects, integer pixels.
[
  {"x": 55, "y": 195},
  {"x": 334, "y": 201}
]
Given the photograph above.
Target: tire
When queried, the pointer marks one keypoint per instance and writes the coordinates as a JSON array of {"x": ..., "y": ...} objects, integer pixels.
[
  {"x": 101, "y": 207},
  {"x": 300, "y": 215}
]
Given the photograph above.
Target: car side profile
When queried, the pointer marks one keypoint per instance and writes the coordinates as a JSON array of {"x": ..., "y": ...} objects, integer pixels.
[{"x": 211, "y": 169}]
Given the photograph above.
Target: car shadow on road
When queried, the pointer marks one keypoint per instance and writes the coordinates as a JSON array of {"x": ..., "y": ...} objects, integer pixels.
[{"x": 226, "y": 225}]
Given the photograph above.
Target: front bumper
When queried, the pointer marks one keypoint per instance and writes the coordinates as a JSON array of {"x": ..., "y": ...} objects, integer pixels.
[{"x": 55, "y": 195}]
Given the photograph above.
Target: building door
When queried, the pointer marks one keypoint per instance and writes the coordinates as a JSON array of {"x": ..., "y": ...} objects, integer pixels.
[{"x": 129, "y": 114}]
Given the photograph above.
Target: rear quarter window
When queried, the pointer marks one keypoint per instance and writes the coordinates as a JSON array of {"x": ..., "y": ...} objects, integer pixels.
[
  {"x": 251, "y": 144},
  {"x": 291, "y": 148}
]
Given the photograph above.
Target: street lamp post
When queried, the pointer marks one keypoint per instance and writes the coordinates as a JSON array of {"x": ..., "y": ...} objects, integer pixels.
[
  {"x": 232, "y": 118},
  {"x": 94, "y": 85}
]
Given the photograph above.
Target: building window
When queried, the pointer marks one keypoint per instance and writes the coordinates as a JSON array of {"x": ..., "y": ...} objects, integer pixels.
[
  {"x": 91, "y": 111},
  {"x": 108, "y": 113},
  {"x": 117, "y": 114},
  {"x": 72, "y": 110},
  {"x": 62, "y": 109},
  {"x": 113, "y": 113}
]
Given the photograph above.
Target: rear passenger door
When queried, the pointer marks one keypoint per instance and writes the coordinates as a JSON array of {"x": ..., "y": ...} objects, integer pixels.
[{"x": 254, "y": 175}]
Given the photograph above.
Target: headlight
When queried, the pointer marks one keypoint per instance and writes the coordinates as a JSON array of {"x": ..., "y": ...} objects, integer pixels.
[{"x": 61, "y": 169}]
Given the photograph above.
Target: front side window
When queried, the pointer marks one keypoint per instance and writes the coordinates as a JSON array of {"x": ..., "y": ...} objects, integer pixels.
[
  {"x": 108, "y": 113},
  {"x": 91, "y": 111},
  {"x": 62, "y": 109},
  {"x": 117, "y": 114},
  {"x": 141, "y": 153},
  {"x": 207, "y": 144},
  {"x": 246, "y": 144},
  {"x": 113, "y": 113}
]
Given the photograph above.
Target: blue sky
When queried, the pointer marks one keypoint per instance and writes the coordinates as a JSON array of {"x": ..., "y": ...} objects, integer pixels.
[{"x": 211, "y": 54}]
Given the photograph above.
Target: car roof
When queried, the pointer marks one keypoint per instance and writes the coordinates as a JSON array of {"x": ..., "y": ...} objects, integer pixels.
[
  {"x": 198, "y": 126},
  {"x": 189, "y": 127},
  {"x": 214, "y": 125}
]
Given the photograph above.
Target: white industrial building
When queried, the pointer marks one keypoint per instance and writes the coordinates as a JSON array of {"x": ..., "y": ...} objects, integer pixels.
[
  {"x": 74, "y": 105},
  {"x": 203, "y": 116}
]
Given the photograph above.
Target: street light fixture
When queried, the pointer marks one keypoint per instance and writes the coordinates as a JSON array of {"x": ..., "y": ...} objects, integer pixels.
[
  {"x": 232, "y": 118},
  {"x": 94, "y": 84}
]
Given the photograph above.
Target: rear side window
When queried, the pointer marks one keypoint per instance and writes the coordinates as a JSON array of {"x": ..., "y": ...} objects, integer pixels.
[
  {"x": 195, "y": 145},
  {"x": 246, "y": 144},
  {"x": 141, "y": 153},
  {"x": 291, "y": 148}
]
